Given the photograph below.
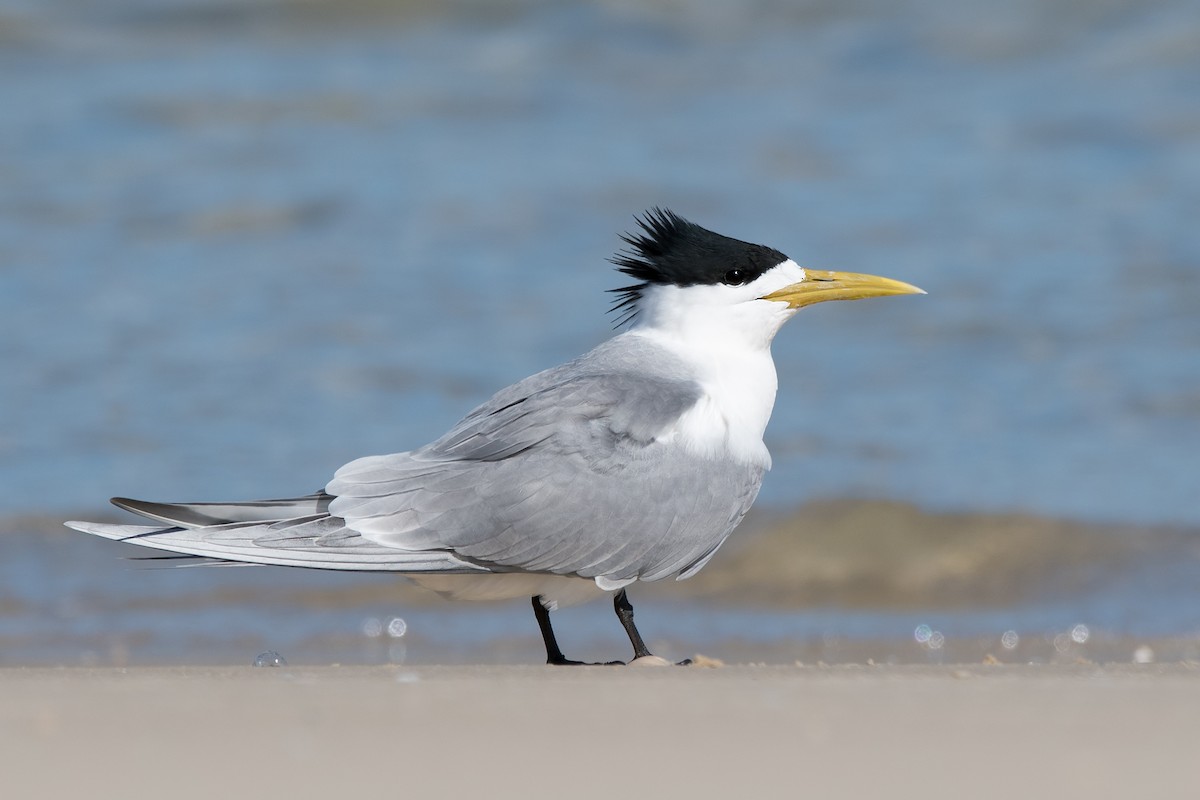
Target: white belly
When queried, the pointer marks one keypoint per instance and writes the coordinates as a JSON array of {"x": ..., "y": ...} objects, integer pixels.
[{"x": 557, "y": 591}]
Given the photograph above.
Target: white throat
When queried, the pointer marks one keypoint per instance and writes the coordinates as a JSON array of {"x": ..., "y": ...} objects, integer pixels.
[{"x": 724, "y": 334}]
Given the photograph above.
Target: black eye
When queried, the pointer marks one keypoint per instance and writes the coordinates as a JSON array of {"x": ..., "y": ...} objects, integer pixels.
[{"x": 735, "y": 277}]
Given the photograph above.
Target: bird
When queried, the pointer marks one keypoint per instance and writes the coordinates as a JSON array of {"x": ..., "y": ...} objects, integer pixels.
[{"x": 632, "y": 463}]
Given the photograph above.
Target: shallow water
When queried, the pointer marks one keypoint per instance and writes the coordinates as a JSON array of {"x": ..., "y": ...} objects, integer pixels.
[
  {"x": 66, "y": 598},
  {"x": 242, "y": 243}
]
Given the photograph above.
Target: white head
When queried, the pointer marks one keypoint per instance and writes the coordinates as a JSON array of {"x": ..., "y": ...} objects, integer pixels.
[
  {"x": 717, "y": 303},
  {"x": 723, "y": 293}
]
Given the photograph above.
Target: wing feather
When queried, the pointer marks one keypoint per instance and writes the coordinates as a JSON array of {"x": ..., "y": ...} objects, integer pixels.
[
  {"x": 574, "y": 471},
  {"x": 571, "y": 471},
  {"x": 322, "y": 542}
]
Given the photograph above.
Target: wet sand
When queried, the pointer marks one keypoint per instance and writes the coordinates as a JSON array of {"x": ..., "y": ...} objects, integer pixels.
[{"x": 897, "y": 732}]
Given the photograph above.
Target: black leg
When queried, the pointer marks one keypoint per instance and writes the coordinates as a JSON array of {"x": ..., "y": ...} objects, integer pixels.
[
  {"x": 553, "y": 654},
  {"x": 625, "y": 614}
]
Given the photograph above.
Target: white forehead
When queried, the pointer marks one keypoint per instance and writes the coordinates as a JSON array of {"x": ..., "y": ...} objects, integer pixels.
[{"x": 779, "y": 276}]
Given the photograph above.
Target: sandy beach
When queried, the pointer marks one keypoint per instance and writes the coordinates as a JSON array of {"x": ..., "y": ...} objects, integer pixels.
[
  {"x": 900, "y": 732},
  {"x": 245, "y": 242}
]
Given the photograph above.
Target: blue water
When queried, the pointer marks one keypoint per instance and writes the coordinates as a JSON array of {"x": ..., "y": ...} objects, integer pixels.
[
  {"x": 242, "y": 243},
  {"x": 68, "y": 599}
]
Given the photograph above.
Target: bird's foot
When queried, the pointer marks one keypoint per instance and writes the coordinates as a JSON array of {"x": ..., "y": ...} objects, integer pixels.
[
  {"x": 657, "y": 661},
  {"x": 640, "y": 661},
  {"x": 566, "y": 662}
]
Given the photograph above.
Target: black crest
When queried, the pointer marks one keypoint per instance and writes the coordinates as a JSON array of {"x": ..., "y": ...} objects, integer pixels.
[{"x": 671, "y": 250}]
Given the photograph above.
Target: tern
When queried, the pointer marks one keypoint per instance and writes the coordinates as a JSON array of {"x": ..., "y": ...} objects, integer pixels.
[{"x": 634, "y": 462}]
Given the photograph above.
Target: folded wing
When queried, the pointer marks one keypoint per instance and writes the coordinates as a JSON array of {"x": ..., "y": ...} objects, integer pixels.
[{"x": 574, "y": 471}]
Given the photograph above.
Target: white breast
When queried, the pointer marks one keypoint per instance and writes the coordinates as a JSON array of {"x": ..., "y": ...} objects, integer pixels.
[
  {"x": 739, "y": 386},
  {"x": 723, "y": 335}
]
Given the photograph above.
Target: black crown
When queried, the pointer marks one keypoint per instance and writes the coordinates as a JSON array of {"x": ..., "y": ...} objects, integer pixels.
[{"x": 671, "y": 250}]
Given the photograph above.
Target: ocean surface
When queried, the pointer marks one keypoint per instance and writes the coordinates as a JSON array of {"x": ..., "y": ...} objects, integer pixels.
[{"x": 244, "y": 242}]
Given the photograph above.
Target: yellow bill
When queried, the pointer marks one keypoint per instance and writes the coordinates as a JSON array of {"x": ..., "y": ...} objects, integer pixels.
[{"x": 821, "y": 285}]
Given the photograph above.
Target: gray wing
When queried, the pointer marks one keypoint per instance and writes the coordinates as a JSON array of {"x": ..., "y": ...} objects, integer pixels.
[
  {"x": 572, "y": 472},
  {"x": 268, "y": 532}
]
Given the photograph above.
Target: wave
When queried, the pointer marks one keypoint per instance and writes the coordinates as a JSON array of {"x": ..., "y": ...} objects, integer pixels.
[
  {"x": 838, "y": 553},
  {"x": 881, "y": 554}
]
